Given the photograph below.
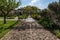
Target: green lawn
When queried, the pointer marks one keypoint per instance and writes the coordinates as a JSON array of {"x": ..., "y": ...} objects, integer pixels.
[
  {"x": 12, "y": 17},
  {"x": 4, "y": 28}
]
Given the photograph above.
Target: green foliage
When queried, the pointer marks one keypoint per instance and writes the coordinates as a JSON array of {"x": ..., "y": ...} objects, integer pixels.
[
  {"x": 57, "y": 32},
  {"x": 45, "y": 13},
  {"x": 30, "y": 10},
  {"x": 46, "y": 22},
  {"x": 6, "y": 6},
  {"x": 35, "y": 16},
  {"x": 24, "y": 16},
  {"x": 55, "y": 8}
]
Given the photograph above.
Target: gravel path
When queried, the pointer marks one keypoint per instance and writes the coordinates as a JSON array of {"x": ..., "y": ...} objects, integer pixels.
[{"x": 29, "y": 31}]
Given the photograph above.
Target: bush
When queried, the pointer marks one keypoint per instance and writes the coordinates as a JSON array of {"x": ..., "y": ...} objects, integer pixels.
[
  {"x": 22, "y": 16},
  {"x": 50, "y": 25},
  {"x": 57, "y": 32},
  {"x": 35, "y": 16},
  {"x": 46, "y": 22}
]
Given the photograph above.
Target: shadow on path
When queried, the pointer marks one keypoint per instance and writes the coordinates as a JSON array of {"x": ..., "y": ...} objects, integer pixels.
[
  {"x": 27, "y": 25},
  {"x": 29, "y": 31}
]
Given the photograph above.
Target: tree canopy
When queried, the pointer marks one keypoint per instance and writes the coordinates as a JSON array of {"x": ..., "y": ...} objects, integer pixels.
[
  {"x": 7, "y": 6},
  {"x": 30, "y": 9}
]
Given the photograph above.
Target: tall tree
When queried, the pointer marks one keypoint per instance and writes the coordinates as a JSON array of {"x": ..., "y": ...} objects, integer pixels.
[
  {"x": 30, "y": 9},
  {"x": 55, "y": 7},
  {"x": 7, "y": 6}
]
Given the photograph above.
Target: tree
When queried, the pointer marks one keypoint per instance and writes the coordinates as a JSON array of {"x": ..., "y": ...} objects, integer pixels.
[
  {"x": 6, "y": 6},
  {"x": 55, "y": 7},
  {"x": 30, "y": 10},
  {"x": 45, "y": 13}
]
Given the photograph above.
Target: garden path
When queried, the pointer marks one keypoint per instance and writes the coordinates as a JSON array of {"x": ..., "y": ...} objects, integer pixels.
[{"x": 27, "y": 30}]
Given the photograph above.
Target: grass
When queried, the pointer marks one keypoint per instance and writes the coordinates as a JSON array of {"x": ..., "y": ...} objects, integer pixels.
[
  {"x": 12, "y": 17},
  {"x": 1, "y": 17},
  {"x": 4, "y": 28},
  {"x": 57, "y": 33}
]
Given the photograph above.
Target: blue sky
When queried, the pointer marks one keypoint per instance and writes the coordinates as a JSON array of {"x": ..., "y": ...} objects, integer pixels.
[{"x": 39, "y": 3}]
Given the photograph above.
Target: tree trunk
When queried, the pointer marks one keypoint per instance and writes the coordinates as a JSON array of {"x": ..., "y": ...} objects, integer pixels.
[{"x": 4, "y": 19}]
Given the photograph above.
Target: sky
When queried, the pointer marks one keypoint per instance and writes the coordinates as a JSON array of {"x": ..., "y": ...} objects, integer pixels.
[{"x": 42, "y": 4}]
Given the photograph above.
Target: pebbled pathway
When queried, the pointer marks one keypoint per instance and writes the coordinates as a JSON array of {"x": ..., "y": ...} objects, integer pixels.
[{"x": 29, "y": 31}]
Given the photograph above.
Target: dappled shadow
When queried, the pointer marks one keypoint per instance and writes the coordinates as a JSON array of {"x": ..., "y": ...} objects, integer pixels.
[
  {"x": 53, "y": 29},
  {"x": 26, "y": 25},
  {"x": 2, "y": 29},
  {"x": 12, "y": 26},
  {"x": 29, "y": 31}
]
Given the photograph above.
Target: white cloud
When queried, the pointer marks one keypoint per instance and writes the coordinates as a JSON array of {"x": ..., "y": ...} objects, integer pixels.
[
  {"x": 33, "y": 2},
  {"x": 38, "y": 3}
]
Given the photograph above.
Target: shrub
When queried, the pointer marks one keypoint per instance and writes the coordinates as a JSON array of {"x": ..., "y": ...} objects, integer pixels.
[
  {"x": 23, "y": 16},
  {"x": 46, "y": 22},
  {"x": 57, "y": 32},
  {"x": 50, "y": 25},
  {"x": 35, "y": 16}
]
